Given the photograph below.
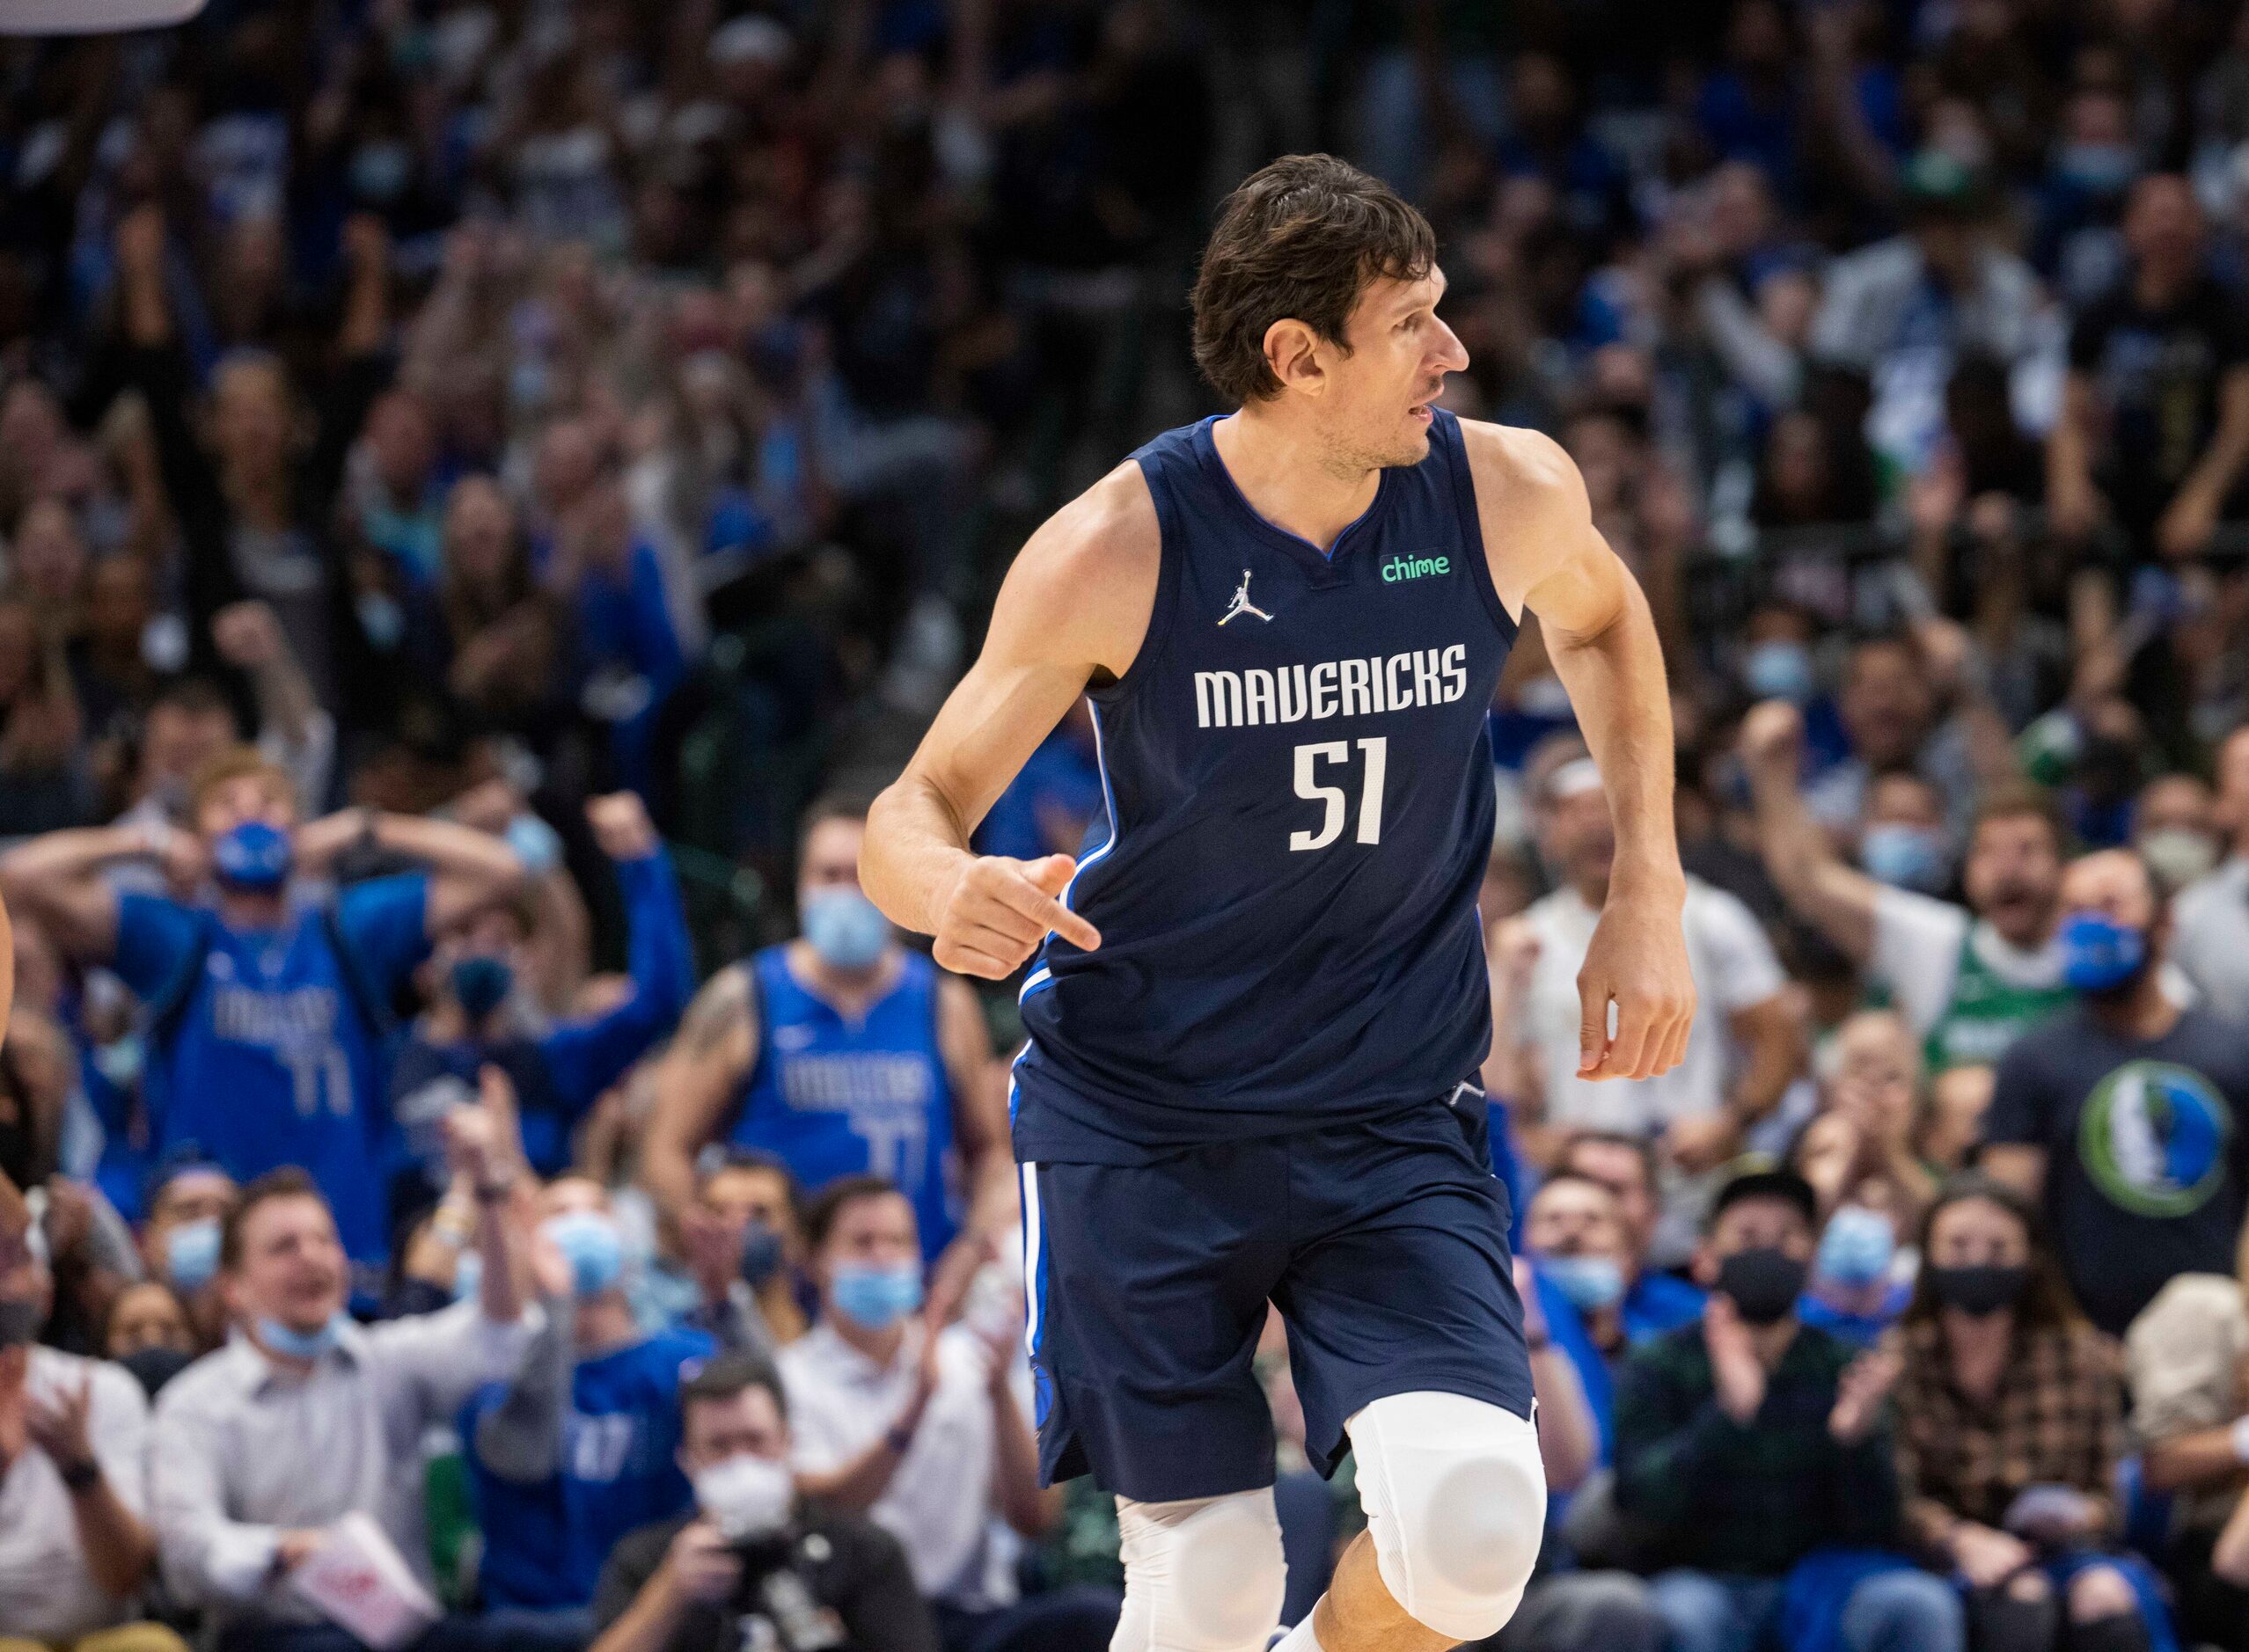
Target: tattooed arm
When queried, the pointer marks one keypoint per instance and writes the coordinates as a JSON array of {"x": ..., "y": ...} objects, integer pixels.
[{"x": 711, "y": 1055}]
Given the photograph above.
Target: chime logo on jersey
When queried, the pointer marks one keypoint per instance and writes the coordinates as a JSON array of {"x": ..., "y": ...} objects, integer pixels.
[
  {"x": 1399, "y": 569},
  {"x": 1333, "y": 688}
]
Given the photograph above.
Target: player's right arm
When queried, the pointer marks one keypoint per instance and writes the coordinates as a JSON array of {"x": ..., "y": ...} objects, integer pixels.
[
  {"x": 1833, "y": 897},
  {"x": 708, "y": 1058},
  {"x": 1075, "y": 607}
]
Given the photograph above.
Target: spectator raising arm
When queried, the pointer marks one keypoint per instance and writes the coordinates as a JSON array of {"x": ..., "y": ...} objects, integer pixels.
[
  {"x": 1837, "y": 899},
  {"x": 57, "y": 879},
  {"x": 470, "y": 869},
  {"x": 588, "y": 1056}
]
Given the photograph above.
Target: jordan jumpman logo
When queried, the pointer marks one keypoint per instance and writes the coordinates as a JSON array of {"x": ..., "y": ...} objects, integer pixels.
[{"x": 1243, "y": 605}]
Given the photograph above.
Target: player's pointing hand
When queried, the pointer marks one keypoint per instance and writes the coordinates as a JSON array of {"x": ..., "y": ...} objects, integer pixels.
[{"x": 1001, "y": 909}]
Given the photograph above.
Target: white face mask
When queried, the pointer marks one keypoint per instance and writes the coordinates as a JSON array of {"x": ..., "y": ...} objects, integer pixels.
[{"x": 745, "y": 1497}]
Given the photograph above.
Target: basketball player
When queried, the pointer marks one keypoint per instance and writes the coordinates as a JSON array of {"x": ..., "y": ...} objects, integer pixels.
[{"x": 1260, "y": 1003}]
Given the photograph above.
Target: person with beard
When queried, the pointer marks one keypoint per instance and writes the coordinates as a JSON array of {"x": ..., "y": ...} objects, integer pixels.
[
  {"x": 1968, "y": 982},
  {"x": 2009, "y": 1423},
  {"x": 1750, "y": 1441},
  {"x": 2122, "y": 1117}
]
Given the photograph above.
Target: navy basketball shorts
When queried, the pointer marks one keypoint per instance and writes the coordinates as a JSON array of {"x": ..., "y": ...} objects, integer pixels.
[{"x": 1384, "y": 1246}]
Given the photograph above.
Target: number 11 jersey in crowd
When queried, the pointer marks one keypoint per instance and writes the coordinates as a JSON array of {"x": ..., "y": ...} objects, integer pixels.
[{"x": 1298, "y": 809}]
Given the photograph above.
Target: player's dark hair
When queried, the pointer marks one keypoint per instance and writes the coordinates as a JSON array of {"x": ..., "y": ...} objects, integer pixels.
[
  {"x": 828, "y": 1205},
  {"x": 723, "y": 1375},
  {"x": 1298, "y": 240},
  {"x": 287, "y": 1182}
]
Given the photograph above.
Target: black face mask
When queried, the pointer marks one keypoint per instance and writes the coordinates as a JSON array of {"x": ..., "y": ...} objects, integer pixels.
[
  {"x": 153, "y": 1367},
  {"x": 1763, "y": 1283},
  {"x": 1985, "y": 1287},
  {"x": 18, "y": 1322}
]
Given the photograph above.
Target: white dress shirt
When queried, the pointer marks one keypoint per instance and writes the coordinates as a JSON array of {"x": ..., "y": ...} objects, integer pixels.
[
  {"x": 939, "y": 1501},
  {"x": 46, "y": 1591},
  {"x": 243, "y": 1450}
]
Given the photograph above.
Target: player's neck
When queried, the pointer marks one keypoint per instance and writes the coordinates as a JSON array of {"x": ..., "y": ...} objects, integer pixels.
[{"x": 1279, "y": 467}]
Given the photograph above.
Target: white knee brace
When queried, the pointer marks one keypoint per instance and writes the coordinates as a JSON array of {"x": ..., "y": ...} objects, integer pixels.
[
  {"x": 1455, "y": 1501},
  {"x": 1202, "y": 1576}
]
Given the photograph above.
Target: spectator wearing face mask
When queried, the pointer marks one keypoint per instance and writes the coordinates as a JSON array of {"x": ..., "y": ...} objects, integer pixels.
[
  {"x": 189, "y": 1202},
  {"x": 2010, "y": 1419},
  {"x": 2211, "y": 916},
  {"x": 577, "y": 1448},
  {"x": 1654, "y": 1301},
  {"x": 1752, "y": 1441},
  {"x": 305, "y": 1418},
  {"x": 916, "y": 1421},
  {"x": 147, "y": 1332},
  {"x": 1968, "y": 981},
  {"x": 743, "y": 1248},
  {"x": 2121, "y": 1119},
  {"x": 689, "y": 1585},
  {"x": 1575, "y": 1241},
  {"x": 483, "y": 1012},
  {"x": 267, "y": 1019},
  {"x": 842, "y": 1053},
  {"x": 75, "y": 1549},
  {"x": 2174, "y": 829}
]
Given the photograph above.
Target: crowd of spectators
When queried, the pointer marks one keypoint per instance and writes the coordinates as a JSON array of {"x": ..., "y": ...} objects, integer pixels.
[{"x": 485, "y": 484}]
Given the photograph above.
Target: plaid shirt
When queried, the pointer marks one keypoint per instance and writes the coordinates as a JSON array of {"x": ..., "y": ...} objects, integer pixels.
[
  {"x": 2057, "y": 1419},
  {"x": 1754, "y": 1499}
]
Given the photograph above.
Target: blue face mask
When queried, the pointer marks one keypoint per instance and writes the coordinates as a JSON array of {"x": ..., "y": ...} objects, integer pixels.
[
  {"x": 468, "y": 1274},
  {"x": 295, "y": 1344},
  {"x": 1779, "y": 670},
  {"x": 1591, "y": 1282},
  {"x": 480, "y": 985},
  {"x": 253, "y": 857},
  {"x": 1903, "y": 857},
  {"x": 536, "y": 844},
  {"x": 2098, "y": 954},
  {"x": 1857, "y": 1246},
  {"x": 191, "y": 1254},
  {"x": 591, "y": 1243},
  {"x": 876, "y": 1299},
  {"x": 761, "y": 1254},
  {"x": 847, "y": 929}
]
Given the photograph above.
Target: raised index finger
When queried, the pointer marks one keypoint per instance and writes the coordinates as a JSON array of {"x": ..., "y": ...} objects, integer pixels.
[{"x": 1034, "y": 902}]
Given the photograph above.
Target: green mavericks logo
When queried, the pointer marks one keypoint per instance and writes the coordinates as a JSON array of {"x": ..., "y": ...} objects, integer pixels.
[
  {"x": 2153, "y": 1136},
  {"x": 1414, "y": 568}
]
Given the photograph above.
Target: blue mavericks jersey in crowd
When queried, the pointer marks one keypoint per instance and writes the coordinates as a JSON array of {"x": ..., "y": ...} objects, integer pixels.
[
  {"x": 262, "y": 1045},
  {"x": 838, "y": 1097},
  {"x": 1299, "y": 808},
  {"x": 543, "y": 1544}
]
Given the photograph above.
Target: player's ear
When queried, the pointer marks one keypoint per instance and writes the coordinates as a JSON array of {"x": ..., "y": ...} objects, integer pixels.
[{"x": 1293, "y": 352}]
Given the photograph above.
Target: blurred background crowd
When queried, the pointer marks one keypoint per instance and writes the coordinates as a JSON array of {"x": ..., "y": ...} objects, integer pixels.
[{"x": 488, "y": 487}]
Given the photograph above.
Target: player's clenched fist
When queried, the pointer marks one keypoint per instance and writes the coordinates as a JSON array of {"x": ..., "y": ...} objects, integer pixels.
[{"x": 1000, "y": 909}]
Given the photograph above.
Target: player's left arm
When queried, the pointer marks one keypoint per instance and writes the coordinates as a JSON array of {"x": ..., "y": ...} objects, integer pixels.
[
  {"x": 1547, "y": 556},
  {"x": 979, "y": 1110}
]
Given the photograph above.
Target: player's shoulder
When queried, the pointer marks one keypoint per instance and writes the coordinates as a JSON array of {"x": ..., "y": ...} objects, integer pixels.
[
  {"x": 1085, "y": 582},
  {"x": 1518, "y": 468},
  {"x": 1107, "y": 535}
]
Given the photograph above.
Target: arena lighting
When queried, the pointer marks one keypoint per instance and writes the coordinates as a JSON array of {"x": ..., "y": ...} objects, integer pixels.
[{"x": 91, "y": 17}]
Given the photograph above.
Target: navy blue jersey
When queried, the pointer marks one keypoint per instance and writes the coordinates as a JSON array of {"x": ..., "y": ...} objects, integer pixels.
[{"x": 1298, "y": 809}]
